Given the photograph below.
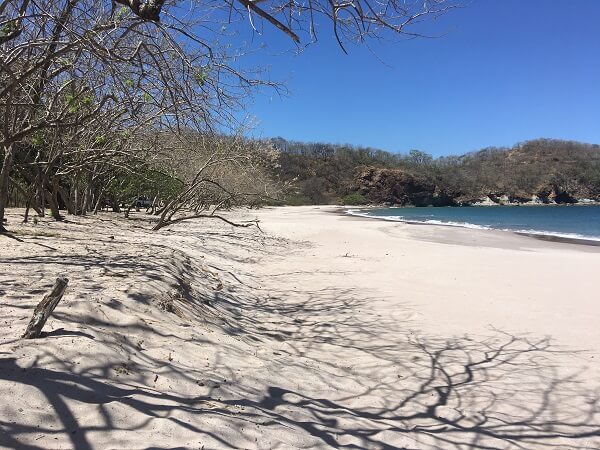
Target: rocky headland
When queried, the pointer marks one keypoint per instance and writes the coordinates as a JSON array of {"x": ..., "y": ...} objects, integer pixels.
[{"x": 398, "y": 187}]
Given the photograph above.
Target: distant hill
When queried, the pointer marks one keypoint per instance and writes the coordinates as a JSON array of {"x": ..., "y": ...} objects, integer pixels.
[{"x": 538, "y": 171}]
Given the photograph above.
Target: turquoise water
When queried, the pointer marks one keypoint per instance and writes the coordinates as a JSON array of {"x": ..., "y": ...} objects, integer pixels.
[{"x": 575, "y": 221}]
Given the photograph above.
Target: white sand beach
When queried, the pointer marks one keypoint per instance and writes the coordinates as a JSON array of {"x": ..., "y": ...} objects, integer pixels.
[{"x": 321, "y": 331}]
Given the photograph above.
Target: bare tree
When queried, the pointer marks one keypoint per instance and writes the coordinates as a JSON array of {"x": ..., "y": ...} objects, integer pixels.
[
  {"x": 216, "y": 173},
  {"x": 70, "y": 65}
]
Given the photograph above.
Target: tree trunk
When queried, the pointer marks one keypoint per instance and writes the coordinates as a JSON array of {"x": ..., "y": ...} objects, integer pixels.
[
  {"x": 98, "y": 204},
  {"x": 29, "y": 197},
  {"x": 129, "y": 208},
  {"x": 64, "y": 196},
  {"x": 88, "y": 194},
  {"x": 88, "y": 197},
  {"x": 40, "y": 193},
  {"x": 75, "y": 201},
  {"x": 27, "y": 206},
  {"x": 52, "y": 197},
  {"x": 153, "y": 207},
  {"x": 45, "y": 308},
  {"x": 4, "y": 174},
  {"x": 116, "y": 207}
]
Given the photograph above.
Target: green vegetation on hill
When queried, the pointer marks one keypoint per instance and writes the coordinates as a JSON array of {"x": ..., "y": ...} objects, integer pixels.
[{"x": 540, "y": 171}]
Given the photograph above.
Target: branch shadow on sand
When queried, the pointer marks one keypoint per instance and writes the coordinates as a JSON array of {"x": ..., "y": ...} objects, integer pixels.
[
  {"x": 346, "y": 376},
  {"x": 410, "y": 392},
  {"x": 413, "y": 390}
]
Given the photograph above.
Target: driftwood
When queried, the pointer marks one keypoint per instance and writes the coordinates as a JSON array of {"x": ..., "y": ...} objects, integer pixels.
[{"x": 44, "y": 309}]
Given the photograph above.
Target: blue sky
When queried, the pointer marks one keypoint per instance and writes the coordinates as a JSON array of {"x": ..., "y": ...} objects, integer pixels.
[{"x": 505, "y": 71}]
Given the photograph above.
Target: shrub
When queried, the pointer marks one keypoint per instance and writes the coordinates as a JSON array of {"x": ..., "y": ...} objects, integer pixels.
[
  {"x": 354, "y": 199},
  {"x": 297, "y": 200}
]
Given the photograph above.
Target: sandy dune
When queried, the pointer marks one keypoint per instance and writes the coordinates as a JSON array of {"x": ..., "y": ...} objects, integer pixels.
[{"x": 323, "y": 331}]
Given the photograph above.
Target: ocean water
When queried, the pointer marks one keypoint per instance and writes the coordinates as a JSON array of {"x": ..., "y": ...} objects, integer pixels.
[{"x": 573, "y": 221}]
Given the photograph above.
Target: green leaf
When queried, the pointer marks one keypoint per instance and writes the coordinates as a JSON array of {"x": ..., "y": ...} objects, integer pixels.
[
  {"x": 122, "y": 12},
  {"x": 201, "y": 76},
  {"x": 37, "y": 140}
]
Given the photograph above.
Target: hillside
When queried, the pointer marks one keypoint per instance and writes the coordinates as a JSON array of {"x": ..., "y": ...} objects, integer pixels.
[{"x": 538, "y": 171}]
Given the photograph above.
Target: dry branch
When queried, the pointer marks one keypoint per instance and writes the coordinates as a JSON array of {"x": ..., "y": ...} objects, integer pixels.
[{"x": 45, "y": 308}]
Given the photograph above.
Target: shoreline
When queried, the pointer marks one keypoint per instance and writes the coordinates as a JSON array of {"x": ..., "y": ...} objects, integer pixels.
[
  {"x": 542, "y": 235},
  {"x": 559, "y": 239}
]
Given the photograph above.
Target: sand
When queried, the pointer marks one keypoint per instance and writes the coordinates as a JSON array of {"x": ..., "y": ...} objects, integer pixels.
[{"x": 321, "y": 331}]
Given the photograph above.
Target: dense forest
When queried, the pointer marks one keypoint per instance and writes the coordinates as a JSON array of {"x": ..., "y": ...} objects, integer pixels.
[{"x": 538, "y": 171}]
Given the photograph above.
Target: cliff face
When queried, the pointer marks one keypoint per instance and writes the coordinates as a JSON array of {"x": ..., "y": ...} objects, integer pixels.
[
  {"x": 402, "y": 188},
  {"x": 399, "y": 187}
]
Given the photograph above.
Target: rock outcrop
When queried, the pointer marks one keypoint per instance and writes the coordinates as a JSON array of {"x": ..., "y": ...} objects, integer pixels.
[
  {"x": 402, "y": 188},
  {"x": 398, "y": 187}
]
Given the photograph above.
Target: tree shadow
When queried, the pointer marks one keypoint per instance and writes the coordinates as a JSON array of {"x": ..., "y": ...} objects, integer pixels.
[
  {"x": 289, "y": 367},
  {"x": 462, "y": 393},
  {"x": 61, "y": 332}
]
